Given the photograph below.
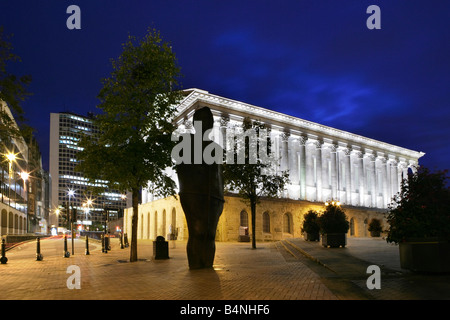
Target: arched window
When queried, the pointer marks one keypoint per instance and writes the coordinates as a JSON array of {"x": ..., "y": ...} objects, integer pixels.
[
  {"x": 266, "y": 222},
  {"x": 148, "y": 225},
  {"x": 352, "y": 227},
  {"x": 163, "y": 226},
  {"x": 244, "y": 219},
  {"x": 155, "y": 225},
  {"x": 174, "y": 218},
  {"x": 287, "y": 228},
  {"x": 142, "y": 227}
]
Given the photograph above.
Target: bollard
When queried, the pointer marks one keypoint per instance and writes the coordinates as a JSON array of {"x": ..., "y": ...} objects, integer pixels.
[
  {"x": 66, "y": 253},
  {"x": 126, "y": 240},
  {"x": 121, "y": 240},
  {"x": 39, "y": 256},
  {"x": 106, "y": 243},
  {"x": 3, "y": 259},
  {"x": 87, "y": 246}
]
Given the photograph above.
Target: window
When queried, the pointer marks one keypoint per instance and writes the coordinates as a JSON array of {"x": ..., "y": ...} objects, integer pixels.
[
  {"x": 287, "y": 223},
  {"x": 266, "y": 222},
  {"x": 244, "y": 219}
]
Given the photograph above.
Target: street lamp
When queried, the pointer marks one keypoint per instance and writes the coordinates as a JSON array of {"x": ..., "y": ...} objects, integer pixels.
[
  {"x": 333, "y": 203},
  {"x": 71, "y": 193}
]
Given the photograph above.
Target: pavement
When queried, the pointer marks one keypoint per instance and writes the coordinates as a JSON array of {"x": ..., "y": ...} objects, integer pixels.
[{"x": 288, "y": 270}]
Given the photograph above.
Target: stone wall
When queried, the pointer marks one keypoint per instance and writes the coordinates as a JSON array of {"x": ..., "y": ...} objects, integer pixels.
[{"x": 285, "y": 218}]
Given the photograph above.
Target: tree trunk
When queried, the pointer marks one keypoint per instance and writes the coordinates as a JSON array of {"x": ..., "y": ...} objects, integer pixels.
[
  {"x": 134, "y": 225},
  {"x": 253, "y": 210}
]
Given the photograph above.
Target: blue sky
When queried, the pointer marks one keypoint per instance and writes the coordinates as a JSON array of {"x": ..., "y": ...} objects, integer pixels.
[{"x": 316, "y": 60}]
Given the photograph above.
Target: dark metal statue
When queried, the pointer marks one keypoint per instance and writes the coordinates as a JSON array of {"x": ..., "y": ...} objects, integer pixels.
[{"x": 201, "y": 196}]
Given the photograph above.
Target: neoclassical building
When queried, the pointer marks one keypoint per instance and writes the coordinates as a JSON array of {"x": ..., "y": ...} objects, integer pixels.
[{"x": 324, "y": 164}]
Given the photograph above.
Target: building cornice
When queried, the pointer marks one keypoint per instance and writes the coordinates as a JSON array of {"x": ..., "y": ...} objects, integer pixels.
[{"x": 297, "y": 126}]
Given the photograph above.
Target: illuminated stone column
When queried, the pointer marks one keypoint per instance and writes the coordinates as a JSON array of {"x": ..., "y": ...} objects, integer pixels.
[
  {"x": 333, "y": 160},
  {"x": 309, "y": 163},
  {"x": 385, "y": 175},
  {"x": 216, "y": 132},
  {"x": 302, "y": 153},
  {"x": 361, "y": 177},
  {"x": 394, "y": 179},
  {"x": 223, "y": 131},
  {"x": 373, "y": 180},
  {"x": 293, "y": 154},
  {"x": 348, "y": 180},
  {"x": 284, "y": 137},
  {"x": 318, "y": 169}
]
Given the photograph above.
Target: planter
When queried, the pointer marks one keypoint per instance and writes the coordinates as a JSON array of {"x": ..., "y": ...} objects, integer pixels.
[
  {"x": 334, "y": 240},
  {"x": 425, "y": 255},
  {"x": 311, "y": 236}
]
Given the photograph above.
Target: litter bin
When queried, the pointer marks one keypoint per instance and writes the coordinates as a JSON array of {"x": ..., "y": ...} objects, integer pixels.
[{"x": 160, "y": 248}]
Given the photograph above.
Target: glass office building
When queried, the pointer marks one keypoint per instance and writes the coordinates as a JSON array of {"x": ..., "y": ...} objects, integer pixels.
[{"x": 70, "y": 188}]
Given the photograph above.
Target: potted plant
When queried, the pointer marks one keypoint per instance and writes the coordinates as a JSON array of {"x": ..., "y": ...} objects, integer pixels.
[
  {"x": 375, "y": 227},
  {"x": 310, "y": 228},
  {"x": 419, "y": 221},
  {"x": 333, "y": 225}
]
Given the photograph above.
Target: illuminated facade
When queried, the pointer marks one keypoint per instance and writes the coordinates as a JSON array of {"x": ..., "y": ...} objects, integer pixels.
[
  {"x": 70, "y": 188},
  {"x": 24, "y": 188},
  {"x": 323, "y": 163}
]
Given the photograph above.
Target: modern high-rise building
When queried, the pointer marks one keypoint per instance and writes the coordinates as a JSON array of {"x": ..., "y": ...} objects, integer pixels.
[{"x": 69, "y": 187}]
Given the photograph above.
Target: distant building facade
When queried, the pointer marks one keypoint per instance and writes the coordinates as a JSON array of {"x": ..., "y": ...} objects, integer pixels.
[
  {"x": 323, "y": 163},
  {"x": 23, "y": 185},
  {"x": 70, "y": 188}
]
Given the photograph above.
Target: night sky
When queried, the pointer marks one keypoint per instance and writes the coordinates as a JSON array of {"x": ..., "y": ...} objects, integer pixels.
[{"x": 315, "y": 60}]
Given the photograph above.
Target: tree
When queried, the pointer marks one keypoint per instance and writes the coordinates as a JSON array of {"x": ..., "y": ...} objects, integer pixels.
[
  {"x": 13, "y": 91},
  {"x": 421, "y": 209},
  {"x": 133, "y": 145},
  {"x": 254, "y": 177}
]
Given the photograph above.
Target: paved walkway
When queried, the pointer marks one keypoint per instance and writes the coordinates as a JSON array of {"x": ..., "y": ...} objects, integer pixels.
[
  {"x": 350, "y": 266},
  {"x": 287, "y": 270}
]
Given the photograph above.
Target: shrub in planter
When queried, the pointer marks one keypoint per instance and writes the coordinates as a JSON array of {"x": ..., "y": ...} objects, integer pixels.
[
  {"x": 310, "y": 227},
  {"x": 333, "y": 226},
  {"x": 419, "y": 221},
  {"x": 375, "y": 227}
]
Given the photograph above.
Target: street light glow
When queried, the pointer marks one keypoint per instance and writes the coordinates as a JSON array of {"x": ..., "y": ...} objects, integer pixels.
[
  {"x": 11, "y": 157},
  {"x": 24, "y": 175}
]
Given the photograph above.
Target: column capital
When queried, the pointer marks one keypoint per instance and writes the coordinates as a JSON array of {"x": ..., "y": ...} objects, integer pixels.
[
  {"x": 284, "y": 136},
  {"x": 302, "y": 140},
  {"x": 187, "y": 124},
  {"x": 319, "y": 143},
  {"x": 224, "y": 120},
  {"x": 371, "y": 157},
  {"x": 382, "y": 159},
  {"x": 347, "y": 151},
  {"x": 334, "y": 147}
]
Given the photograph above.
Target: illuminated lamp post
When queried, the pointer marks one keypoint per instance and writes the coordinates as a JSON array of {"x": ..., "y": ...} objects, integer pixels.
[{"x": 70, "y": 193}]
